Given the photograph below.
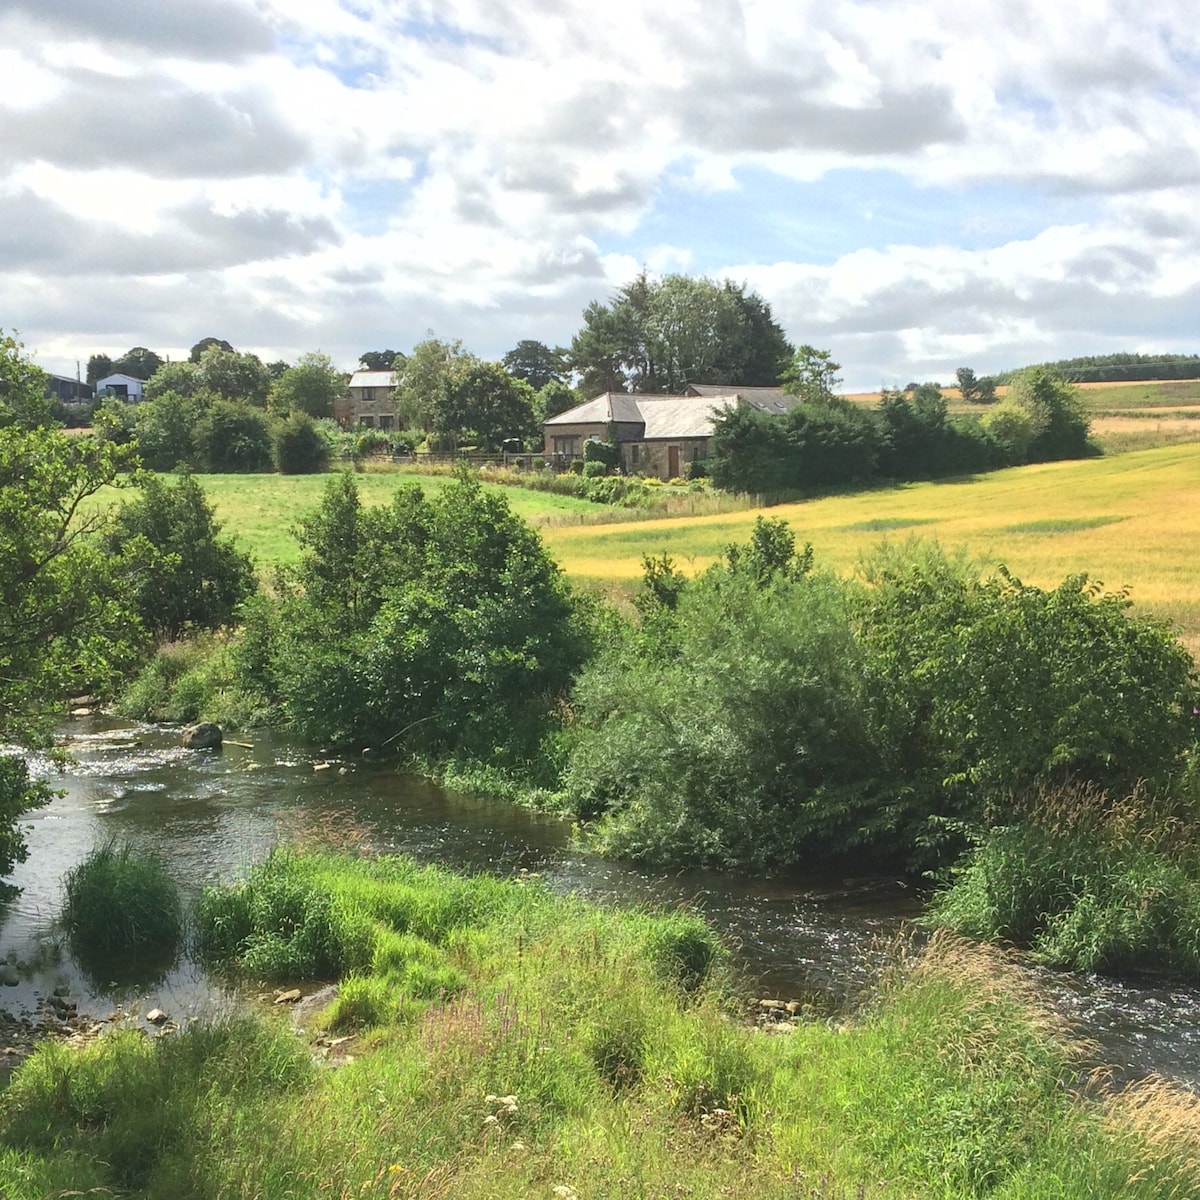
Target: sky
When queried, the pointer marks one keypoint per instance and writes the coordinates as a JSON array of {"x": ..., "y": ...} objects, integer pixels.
[{"x": 914, "y": 186}]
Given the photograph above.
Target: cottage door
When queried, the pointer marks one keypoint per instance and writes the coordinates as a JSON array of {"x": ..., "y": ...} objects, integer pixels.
[{"x": 672, "y": 462}]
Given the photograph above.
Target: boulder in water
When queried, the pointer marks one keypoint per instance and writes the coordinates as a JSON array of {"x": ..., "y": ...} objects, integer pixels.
[{"x": 205, "y": 736}]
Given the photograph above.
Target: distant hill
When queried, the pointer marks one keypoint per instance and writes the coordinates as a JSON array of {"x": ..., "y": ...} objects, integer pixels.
[{"x": 1120, "y": 368}]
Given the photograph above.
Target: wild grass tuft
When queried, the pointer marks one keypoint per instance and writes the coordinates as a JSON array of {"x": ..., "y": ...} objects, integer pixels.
[
  {"x": 120, "y": 901},
  {"x": 1087, "y": 881}
]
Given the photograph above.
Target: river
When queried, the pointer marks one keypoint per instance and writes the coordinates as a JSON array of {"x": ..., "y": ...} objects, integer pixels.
[{"x": 211, "y": 816}]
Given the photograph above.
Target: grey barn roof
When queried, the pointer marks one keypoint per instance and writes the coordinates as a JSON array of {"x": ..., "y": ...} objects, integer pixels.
[
  {"x": 663, "y": 417},
  {"x": 608, "y": 406}
]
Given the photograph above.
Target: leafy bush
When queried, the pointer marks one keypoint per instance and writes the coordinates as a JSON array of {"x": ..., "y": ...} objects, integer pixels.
[
  {"x": 231, "y": 437},
  {"x": 184, "y": 574},
  {"x": 593, "y": 469},
  {"x": 767, "y": 714},
  {"x": 18, "y": 794},
  {"x": 300, "y": 448},
  {"x": 606, "y": 453},
  {"x": 809, "y": 447},
  {"x": 434, "y": 625},
  {"x": 732, "y": 728},
  {"x": 121, "y": 902},
  {"x": 985, "y": 687}
]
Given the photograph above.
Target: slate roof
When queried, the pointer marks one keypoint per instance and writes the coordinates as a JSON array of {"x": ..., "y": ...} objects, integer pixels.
[
  {"x": 608, "y": 406},
  {"x": 660, "y": 416},
  {"x": 681, "y": 416},
  {"x": 765, "y": 399},
  {"x": 372, "y": 379}
]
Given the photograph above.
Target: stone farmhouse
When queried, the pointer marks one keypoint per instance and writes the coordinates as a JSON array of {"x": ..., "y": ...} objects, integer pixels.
[
  {"x": 657, "y": 435},
  {"x": 370, "y": 401}
]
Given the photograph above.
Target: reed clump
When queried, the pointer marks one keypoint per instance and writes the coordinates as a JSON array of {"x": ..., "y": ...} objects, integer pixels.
[
  {"x": 1087, "y": 880},
  {"x": 122, "y": 902}
]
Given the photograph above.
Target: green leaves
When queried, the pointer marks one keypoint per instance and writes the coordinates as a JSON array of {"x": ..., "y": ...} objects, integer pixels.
[
  {"x": 182, "y": 574},
  {"x": 432, "y": 625}
]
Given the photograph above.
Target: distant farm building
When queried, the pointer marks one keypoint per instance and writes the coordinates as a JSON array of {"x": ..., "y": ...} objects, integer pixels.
[
  {"x": 657, "y": 435},
  {"x": 67, "y": 389},
  {"x": 125, "y": 386},
  {"x": 370, "y": 401}
]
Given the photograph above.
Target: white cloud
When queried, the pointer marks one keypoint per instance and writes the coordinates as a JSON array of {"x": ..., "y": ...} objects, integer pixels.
[{"x": 320, "y": 172}]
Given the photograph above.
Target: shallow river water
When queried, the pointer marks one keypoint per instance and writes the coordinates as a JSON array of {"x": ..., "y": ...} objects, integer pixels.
[{"x": 213, "y": 815}]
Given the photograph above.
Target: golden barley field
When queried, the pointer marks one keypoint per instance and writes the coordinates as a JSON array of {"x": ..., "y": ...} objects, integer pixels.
[{"x": 1130, "y": 520}]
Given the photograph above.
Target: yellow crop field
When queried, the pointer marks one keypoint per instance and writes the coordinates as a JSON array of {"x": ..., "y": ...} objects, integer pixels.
[{"x": 1130, "y": 520}]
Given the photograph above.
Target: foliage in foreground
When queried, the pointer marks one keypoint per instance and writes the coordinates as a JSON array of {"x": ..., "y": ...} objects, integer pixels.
[
  {"x": 567, "y": 1064},
  {"x": 64, "y": 625}
]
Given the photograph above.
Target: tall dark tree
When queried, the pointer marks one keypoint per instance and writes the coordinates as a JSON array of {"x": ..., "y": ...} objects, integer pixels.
[
  {"x": 492, "y": 404},
  {"x": 204, "y": 343},
  {"x": 99, "y": 365},
  {"x": 138, "y": 362},
  {"x": 379, "y": 360},
  {"x": 536, "y": 363},
  {"x": 662, "y": 335}
]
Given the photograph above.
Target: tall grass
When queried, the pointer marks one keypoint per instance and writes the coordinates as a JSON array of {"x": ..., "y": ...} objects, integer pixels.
[
  {"x": 568, "y": 1066},
  {"x": 1087, "y": 881},
  {"x": 122, "y": 913},
  {"x": 119, "y": 900}
]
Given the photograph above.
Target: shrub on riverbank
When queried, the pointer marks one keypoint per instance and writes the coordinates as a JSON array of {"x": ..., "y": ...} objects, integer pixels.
[
  {"x": 569, "y": 1066},
  {"x": 766, "y": 714},
  {"x": 437, "y": 625},
  {"x": 1087, "y": 882}
]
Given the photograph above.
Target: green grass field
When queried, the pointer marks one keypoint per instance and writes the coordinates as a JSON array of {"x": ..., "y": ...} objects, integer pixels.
[
  {"x": 262, "y": 511},
  {"x": 1131, "y": 520}
]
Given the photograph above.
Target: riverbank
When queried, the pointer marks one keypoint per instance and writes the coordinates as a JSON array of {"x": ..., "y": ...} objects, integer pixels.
[{"x": 508, "y": 1042}]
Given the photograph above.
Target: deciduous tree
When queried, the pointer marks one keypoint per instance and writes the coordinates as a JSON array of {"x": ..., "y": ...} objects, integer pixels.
[
  {"x": 662, "y": 335},
  {"x": 311, "y": 386},
  {"x": 536, "y": 363},
  {"x": 183, "y": 574},
  {"x": 63, "y": 624}
]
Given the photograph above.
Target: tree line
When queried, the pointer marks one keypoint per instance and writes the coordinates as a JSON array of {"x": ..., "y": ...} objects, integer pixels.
[
  {"x": 1117, "y": 368},
  {"x": 827, "y": 441}
]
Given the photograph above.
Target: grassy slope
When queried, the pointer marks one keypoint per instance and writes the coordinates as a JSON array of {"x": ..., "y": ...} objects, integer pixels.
[
  {"x": 1130, "y": 520},
  {"x": 262, "y": 510}
]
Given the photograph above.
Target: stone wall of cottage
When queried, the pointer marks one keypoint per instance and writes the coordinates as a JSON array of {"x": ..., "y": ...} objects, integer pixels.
[{"x": 654, "y": 457}]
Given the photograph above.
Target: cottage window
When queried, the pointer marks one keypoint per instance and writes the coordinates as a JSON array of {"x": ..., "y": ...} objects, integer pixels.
[{"x": 633, "y": 454}]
